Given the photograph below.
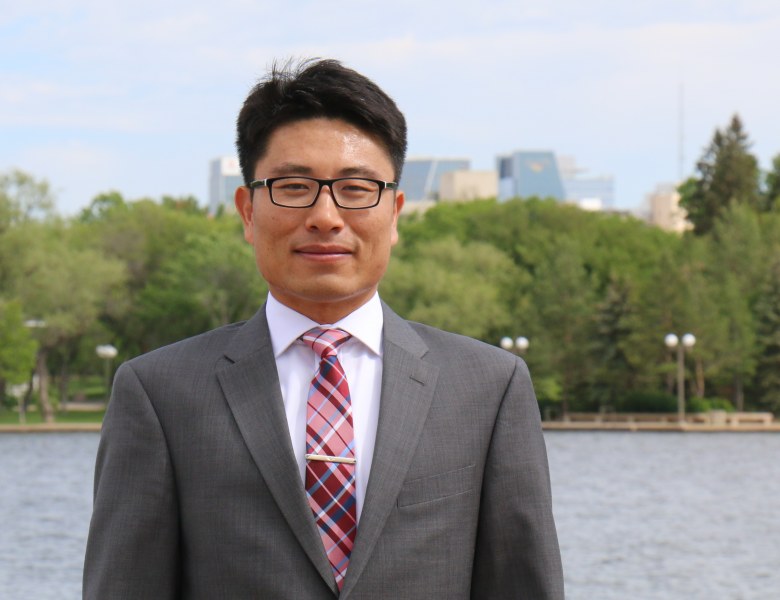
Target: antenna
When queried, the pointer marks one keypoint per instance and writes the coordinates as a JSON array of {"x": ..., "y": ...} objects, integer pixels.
[{"x": 681, "y": 132}]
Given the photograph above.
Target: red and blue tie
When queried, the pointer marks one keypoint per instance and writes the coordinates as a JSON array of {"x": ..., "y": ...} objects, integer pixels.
[{"x": 330, "y": 451}]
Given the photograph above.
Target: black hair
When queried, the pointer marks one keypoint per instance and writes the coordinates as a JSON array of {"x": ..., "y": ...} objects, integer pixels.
[{"x": 317, "y": 88}]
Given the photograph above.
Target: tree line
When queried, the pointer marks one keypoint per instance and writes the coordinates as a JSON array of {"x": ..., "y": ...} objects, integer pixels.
[{"x": 595, "y": 293}]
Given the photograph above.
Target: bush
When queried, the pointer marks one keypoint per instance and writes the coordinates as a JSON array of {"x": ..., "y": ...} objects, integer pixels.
[
  {"x": 652, "y": 402},
  {"x": 699, "y": 405}
]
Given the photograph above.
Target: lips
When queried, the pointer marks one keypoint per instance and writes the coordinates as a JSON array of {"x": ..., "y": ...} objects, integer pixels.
[{"x": 323, "y": 251}]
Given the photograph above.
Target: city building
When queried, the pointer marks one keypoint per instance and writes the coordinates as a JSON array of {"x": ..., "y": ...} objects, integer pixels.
[
  {"x": 462, "y": 186},
  {"x": 527, "y": 173},
  {"x": 540, "y": 173},
  {"x": 224, "y": 178},
  {"x": 665, "y": 210},
  {"x": 590, "y": 193},
  {"x": 421, "y": 177}
]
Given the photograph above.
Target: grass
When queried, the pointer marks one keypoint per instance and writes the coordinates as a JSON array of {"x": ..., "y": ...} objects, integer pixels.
[
  {"x": 11, "y": 417},
  {"x": 90, "y": 388}
]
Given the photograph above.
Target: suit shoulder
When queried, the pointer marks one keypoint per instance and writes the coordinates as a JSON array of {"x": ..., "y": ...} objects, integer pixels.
[
  {"x": 456, "y": 347},
  {"x": 202, "y": 348}
]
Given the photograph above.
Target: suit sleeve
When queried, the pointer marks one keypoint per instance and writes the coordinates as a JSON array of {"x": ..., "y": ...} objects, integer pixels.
[
  {"x": 132, "y": 549},
  {"x": 517, "y": 554}
]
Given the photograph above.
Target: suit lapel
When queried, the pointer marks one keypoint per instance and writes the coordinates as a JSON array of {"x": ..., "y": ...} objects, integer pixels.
[
  {"x": 408, "y": 383},
  {"x": 251, "y": 386}
]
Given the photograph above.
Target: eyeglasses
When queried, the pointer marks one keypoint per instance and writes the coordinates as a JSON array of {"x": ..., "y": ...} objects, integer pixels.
[{"x": 302, "y": 192}]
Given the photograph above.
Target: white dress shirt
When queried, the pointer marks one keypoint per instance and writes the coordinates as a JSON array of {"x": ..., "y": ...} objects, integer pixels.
[{"x": 361, "y": 357}]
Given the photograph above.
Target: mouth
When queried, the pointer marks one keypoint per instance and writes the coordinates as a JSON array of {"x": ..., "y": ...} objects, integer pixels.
[{"x": 323, "y": 252}]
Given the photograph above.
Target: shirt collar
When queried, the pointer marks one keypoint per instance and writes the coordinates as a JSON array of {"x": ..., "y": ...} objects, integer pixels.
[{"x": 286, "y": 325}]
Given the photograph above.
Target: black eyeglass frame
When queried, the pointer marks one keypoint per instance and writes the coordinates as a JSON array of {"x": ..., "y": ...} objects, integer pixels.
[{"x": 269, "y": 182}]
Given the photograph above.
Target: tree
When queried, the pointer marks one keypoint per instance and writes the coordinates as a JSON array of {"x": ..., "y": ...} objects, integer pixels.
[
  {"x": 22, "y": 198},
  {"x": 211, "y": 280},
  {"x": 457, "y": 287},
  {"x": 17, "y": 346},
  {"x": 767, "y": 379},
  {"x": 728, "y": 174},
  {"x": 559, "y": 321},
  {"x": 64, "y": 286},
  {"x": 144, "y": 236},
  {"x": 772, "y": 192}
]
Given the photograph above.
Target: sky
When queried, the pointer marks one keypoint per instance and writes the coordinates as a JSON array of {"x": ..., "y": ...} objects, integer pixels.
[{"x": 138, "y": 96}]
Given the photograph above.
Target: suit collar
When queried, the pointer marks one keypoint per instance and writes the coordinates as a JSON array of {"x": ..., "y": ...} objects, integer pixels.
[
  {"x": 408, "y": 385},
  {"x": 251, "y": 386}
]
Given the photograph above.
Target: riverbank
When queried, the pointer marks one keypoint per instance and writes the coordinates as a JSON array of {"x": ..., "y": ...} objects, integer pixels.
[
  {"x": 659, "y": 426},
  {"x": 50, "y": 427},
  {"x": 546, "y": 425}
]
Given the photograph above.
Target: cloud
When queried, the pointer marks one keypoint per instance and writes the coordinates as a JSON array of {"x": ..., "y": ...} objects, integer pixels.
[{"x": 598, "y": 80}]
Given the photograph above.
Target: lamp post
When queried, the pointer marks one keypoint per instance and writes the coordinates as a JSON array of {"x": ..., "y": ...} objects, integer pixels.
[
  {"x": 520, "y": 344},
  {"x": 672, "y": 341},
  {"x": 107, "y": 352}
]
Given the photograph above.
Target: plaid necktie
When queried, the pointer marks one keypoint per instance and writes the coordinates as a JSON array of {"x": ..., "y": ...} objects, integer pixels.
[{"x": 330, "y": 451}]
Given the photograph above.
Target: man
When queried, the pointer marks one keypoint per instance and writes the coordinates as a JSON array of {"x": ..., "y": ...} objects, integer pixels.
[{"x": 370, "y": 458}]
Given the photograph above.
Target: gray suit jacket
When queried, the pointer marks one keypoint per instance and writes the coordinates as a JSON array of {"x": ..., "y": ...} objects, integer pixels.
[{"x": 198, "y": 496}]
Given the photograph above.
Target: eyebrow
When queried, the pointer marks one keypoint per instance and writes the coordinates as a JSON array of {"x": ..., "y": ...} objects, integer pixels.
[{"x": 297, "y": 169}]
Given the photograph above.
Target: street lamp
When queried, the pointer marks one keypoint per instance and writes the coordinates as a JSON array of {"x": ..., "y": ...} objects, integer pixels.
[
  {"x": 672, "y": 341},
  {"x": 108, "y": 353},
  {"x": 520, "y": 344}
]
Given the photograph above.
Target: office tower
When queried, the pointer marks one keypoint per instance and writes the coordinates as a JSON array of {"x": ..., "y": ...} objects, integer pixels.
[
  {"x": 665, "y": 209},
  {"x": 586, "y": 191},
  {"x": 421, "y": 177},
  {"x": 527, "y": 173},
  {"x": 224, "y": 178}
]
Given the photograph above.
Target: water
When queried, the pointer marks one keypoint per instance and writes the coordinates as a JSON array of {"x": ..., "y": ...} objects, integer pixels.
[
  {"x": 641, "y": 516},
  {"x": 667, "y": 515},
  {"x": 45, "y": 505}
]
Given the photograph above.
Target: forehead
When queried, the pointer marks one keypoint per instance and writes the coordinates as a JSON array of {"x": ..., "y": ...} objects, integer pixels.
[{"x": 325, "y": 143}]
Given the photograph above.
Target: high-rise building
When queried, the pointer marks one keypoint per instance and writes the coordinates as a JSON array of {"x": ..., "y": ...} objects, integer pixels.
[
  {"x": 527, "y": 173},
  {"x": 665, "y": 209},
  {"x": 421, "y": 177},
  {"x": 541, "y": 173},
  {"x": 224, "y": 178},
  {"x": 462, "y": 186},
  {"x": 587, "y": 192}
]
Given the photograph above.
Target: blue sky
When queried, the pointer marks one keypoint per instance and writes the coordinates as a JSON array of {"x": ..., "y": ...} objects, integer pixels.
[{"x": 139, "y": 96}]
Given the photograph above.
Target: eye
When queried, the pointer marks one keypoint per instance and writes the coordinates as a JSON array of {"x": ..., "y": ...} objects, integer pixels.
[
  {"x": 293, "y": 186},
  {"x": 357, "y": 186}
]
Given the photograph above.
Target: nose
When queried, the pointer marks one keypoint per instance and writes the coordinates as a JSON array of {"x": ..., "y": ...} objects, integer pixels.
[{"x": 324, "y": 215}]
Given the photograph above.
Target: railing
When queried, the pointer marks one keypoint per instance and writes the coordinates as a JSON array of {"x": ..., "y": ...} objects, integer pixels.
[{"x": 716, "y": 417}]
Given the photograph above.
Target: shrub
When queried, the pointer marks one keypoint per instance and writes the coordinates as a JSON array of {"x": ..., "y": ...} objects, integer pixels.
[
  {"x": 653, "y": 402},
  {"x": 699, "y": 405}
]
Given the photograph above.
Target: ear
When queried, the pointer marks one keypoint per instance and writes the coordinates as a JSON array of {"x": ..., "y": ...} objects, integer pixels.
[
  {"x": 243, "y": 200},
  {"x": 397, "y": 206}
]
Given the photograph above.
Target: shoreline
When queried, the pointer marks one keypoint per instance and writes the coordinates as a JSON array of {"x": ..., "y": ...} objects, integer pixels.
[
  {"x": 546, "y": 426},
  {"x": 656, "y": 426}
]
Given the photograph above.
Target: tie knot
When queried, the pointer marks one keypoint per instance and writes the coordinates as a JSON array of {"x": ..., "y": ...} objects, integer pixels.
[{"x": 325, "y": 341}]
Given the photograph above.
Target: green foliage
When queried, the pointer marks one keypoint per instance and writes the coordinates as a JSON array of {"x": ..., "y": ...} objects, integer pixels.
[
  {"x": 456, "y": 287},
  {"x": 58, "y": 282},
  {"x": 728, "y": 174},
  {"x": 767, "y": 381},
  {"x": 645, "y": 401},
  {"x": 22, "y": 198},
  {"x": 17, "y": 345},
  {"x": 210, "y": 280},
  {"x": 702, "y": 405},
  {"x": 772, "y": 192},
  {"x": 594, "y": 293}
]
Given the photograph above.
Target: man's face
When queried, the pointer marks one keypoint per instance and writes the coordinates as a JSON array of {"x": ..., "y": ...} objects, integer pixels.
[{"x": 322, "y": 261}]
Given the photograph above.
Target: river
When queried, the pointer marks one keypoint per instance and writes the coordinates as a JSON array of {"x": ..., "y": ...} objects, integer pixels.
[{"x": 641, "y": 516}]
